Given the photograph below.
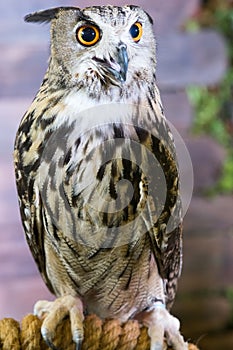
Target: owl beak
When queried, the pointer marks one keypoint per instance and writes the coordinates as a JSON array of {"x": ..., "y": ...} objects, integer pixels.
[
  {"x": 117, "y": 66},
  {"x": 123, "y": 63}
]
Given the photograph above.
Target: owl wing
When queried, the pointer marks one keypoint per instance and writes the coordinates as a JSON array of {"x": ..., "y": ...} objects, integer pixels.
[
  {"x": 165, "y": 228},
  {"x": 30, "y": 202}
]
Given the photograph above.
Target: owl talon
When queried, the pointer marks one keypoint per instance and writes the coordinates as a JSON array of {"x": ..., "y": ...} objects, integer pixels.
[
  {"x": 46, "y": 336},
  {"x": 160, "y": 322},
  {"x": 54, "y": 312},
  {"x": 78, "y": 346}
]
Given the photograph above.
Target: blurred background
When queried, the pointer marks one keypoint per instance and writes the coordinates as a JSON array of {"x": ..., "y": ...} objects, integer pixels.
[{"x": 195, "y": 76}]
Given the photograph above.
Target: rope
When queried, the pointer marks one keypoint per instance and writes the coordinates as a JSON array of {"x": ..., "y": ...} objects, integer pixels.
[{"x": 98, "y": 335}]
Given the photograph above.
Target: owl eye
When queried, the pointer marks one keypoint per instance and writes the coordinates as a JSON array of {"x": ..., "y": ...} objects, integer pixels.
[
  {"x": 88, "y": 35},
  {"x": 136, "y": 31}
]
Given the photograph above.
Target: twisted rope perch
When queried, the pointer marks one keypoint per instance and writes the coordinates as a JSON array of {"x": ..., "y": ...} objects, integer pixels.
[{"x": 98, "y": 335}]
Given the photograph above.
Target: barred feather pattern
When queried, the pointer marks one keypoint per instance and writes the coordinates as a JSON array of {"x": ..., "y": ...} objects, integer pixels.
[{"x": 92, "y": 160}]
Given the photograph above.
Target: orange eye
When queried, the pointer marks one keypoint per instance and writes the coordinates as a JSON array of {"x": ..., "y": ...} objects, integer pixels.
[
  {"x": 88, "y": 35},
  {"x": 136, "y": 31}
]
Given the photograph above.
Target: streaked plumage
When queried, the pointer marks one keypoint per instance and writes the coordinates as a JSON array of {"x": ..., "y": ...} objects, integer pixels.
[{"x": 96, "y": 170}]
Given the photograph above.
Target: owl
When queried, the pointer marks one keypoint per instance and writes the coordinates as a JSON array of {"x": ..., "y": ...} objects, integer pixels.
[{"x": 97, "y": 176}]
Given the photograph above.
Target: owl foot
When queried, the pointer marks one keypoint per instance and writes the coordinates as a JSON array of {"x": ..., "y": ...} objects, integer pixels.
[
  {"x": 161, "y": 323},
  {"x": 54, "y": 312}
]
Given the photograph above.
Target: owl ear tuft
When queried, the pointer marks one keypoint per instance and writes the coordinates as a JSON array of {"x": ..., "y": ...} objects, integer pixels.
[
  {"x": 132, "y": 7},
  {"x": 42, "y": 16},
  {"x": 46, "y": 16}
]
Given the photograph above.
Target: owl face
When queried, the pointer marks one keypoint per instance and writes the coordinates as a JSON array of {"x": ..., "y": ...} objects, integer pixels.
[{"x": 104, "y": 44}]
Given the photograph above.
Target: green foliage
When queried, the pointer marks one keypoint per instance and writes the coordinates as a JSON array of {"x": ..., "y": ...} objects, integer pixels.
[
  {"x": 192, "y": 26},
  {"x": 207, "y": 107},
  {"x": 224, "y": 23},
  {"x": 213, "y": 106},
  {"x": 229, "y": 295},
  {"x": 226, "y": 182}
]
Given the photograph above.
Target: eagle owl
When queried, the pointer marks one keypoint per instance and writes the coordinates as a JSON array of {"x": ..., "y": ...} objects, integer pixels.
[{"x": 97, "y": 175}]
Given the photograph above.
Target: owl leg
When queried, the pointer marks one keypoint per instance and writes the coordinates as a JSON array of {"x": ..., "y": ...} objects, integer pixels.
[
  {"x": 54, "y": 312},
  {"x": 161, "y": 323}
]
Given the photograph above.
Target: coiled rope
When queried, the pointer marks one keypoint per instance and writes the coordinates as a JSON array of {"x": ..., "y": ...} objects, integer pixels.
[{"x": 98, "y": 335}]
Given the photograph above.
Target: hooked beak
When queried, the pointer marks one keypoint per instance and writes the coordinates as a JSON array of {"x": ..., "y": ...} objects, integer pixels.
[{"x": 116, "y": 67}]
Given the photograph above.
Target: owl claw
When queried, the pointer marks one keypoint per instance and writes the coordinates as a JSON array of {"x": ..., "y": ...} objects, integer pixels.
[
  {"x": 77, "y": 339},
  {"x": 78, "y": 346},
  {"x": 161, "y": 323},
  {"x": 54, "y": 312},
  {"x": 46, "y": 336}
]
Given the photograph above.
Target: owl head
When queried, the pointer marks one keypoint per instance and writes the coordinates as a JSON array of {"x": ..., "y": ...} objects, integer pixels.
[{"x": 100, "y": 45}]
